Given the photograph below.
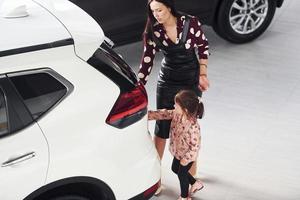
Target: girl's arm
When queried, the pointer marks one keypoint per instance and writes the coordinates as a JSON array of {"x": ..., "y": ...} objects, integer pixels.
[{"x": 162, "y": 114}]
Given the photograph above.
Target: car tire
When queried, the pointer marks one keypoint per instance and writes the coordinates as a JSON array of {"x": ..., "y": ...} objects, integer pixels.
[
  {"x": 70, "y": 197},
  {"x": 238, "y": 22}
]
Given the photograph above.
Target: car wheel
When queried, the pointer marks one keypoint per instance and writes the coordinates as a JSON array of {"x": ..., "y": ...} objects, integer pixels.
[
  {"x": 71, "y": 197},
  {"x": 241, "y": 21}
]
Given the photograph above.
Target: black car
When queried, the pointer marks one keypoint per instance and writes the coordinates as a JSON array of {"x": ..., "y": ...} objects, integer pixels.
[{"x": 237, "y": 21}]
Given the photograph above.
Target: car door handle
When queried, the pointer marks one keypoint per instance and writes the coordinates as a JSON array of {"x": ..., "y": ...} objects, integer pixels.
[{"x": 18, "y": 159}]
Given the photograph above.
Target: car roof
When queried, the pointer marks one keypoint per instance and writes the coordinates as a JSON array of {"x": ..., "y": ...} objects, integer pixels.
[
  {"x": 48, "y": 21},
  {"x": 39, "y": 27}
]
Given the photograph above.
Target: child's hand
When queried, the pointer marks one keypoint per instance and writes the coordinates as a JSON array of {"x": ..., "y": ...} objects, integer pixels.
[{"x": 183, "y": 162}]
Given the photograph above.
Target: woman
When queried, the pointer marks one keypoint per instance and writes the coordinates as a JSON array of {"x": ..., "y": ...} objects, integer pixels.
[{"x": 177, "y": 36}]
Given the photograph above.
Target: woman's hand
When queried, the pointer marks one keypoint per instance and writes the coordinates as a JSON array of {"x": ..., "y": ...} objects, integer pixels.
[{"x": 203, "y": 83}]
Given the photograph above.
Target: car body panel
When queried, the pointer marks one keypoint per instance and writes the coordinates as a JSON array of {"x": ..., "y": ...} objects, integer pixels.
[
  {"x": 21, "y": 36},
  {"x": 87, "y": 36},
  {"x": 84, "y": 117},
  {"x": 201, "y": 8},
  {"x": 34, "y": 169},
  {"x": 80, "y": 143}
]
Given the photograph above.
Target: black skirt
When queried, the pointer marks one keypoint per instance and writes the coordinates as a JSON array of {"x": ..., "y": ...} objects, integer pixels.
[
  {"x": 165, "y": 100},
  {"x": 179, "y": 70}
]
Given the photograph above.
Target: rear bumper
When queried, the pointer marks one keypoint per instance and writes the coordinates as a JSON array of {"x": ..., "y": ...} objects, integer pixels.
[{"x": 147, "y": 194}]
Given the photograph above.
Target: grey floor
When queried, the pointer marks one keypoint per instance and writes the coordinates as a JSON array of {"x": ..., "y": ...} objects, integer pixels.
[{"x": 251, "y": 131}]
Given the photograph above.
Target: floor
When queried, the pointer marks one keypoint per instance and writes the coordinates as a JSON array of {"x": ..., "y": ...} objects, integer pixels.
[{"x": 251, "y": 130}]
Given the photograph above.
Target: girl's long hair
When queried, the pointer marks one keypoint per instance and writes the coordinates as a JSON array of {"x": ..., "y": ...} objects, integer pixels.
[
  {"x": 190, "y": 103},
  {"x": 151, "y": 19}
]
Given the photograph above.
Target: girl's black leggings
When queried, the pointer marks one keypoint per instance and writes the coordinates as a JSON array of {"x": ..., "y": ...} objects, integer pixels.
[{"x": 185, "y": 178}]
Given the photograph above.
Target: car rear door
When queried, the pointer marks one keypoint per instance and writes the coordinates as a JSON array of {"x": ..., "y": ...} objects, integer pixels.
[{"x": 23, "y": 148}]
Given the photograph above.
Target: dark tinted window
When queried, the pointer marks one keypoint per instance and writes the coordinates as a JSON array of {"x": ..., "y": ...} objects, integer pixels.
[
  {"x": 39, "y": 91},
  {"x": 111, "y": 58},
  {"x": 3, "y": 114}
]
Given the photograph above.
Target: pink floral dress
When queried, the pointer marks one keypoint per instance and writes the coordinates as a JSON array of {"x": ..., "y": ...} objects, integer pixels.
[{"x": 184, "y": 134}]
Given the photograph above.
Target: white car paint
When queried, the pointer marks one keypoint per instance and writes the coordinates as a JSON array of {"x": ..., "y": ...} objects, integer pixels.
[
  {"x": 39, "y": 27},
  {"x": 20, "y": 179},
  {"x": 72, "y": 139},
  {"x": 87, "y": 36}
]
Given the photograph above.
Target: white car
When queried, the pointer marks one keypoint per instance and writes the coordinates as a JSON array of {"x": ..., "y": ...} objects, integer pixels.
[{"x": 73, "y": 117}]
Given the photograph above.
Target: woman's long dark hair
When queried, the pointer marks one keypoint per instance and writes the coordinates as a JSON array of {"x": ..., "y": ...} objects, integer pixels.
[
  {"x": 151, "y": 19},
  {"x": 188, "y": 100}
]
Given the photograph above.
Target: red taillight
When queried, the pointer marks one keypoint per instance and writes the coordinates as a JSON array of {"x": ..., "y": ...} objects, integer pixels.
[{"x": 130, "y": 107}]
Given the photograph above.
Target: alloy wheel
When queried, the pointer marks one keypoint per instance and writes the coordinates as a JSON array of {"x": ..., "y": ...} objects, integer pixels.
[{"x": 246, "y": 16}]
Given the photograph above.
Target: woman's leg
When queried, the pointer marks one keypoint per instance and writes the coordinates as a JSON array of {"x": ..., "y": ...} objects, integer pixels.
[
  {"x": 160, "y": 144},
  {"x": 164, "y": 100},
  {"x": 162, "y": 128}
]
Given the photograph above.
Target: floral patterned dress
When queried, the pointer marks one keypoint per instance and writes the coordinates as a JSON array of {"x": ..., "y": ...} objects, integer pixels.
[{"x": 184, "y": 134}]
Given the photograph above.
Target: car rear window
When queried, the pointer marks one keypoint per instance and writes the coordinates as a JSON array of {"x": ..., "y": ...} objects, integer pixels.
[
  {"x": 3, "y": 114},
  {"x": 114, "y": 67}
]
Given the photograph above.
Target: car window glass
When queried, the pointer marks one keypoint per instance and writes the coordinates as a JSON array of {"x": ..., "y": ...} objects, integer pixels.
[
  {"x": 39, "y": 91},
  {"x": 111, "y": 58},
  {"x": 3, "y": 114}
]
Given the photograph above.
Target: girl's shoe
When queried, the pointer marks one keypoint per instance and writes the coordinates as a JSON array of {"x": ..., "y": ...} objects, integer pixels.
[{"x": 198, "y": 185}]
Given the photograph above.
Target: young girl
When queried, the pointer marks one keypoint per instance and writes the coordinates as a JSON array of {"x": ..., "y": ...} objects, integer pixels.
[{"x": 184, "y": 137}]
